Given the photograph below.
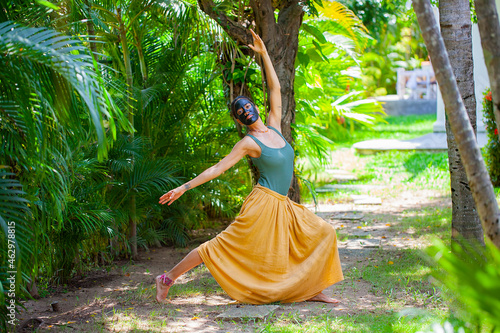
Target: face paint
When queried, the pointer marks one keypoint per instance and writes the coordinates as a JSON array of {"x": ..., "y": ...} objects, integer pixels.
[{"x": 246, "y": 111}]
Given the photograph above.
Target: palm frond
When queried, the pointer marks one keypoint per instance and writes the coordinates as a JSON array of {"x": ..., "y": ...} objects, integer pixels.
[
  {"x": 41, "y": 49},
  {"x": 342, "y": 21},
  {"x": 152, "y": 177}
]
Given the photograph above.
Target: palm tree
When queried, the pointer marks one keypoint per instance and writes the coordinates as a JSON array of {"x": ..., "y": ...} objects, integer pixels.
[{"x": 456, "y": 29}]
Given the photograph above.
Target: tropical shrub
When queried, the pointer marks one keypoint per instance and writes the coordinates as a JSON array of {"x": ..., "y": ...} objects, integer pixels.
[
  {"x": 492, "y": 149},
  {"x": 470, "y": 277},
  {"x": 327, "y": 68},
  {"x": 50, "y": 96}
]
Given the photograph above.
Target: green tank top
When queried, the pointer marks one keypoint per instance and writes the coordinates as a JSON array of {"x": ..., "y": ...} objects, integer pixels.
[{"x": 275, "y": 165}]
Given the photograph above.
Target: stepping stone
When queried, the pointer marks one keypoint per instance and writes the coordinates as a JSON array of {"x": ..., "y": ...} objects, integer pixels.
[
  {"x": 345, "y": 266},
  {"x": 366, "y": 200},
  {"x": 248, "y": 311},
  {"x": 336, "y": 187},
  {"x": 359, "y": 234},
  {"x": 347, "y": 216},
  {"x": 370, "y": 243},
  {"x": 362, "y": 244}
]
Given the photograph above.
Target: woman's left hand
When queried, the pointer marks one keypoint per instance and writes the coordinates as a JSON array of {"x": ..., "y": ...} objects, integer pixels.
[
  {"x": 258, "y": 45},
  {"x": 172, "y": 195}
]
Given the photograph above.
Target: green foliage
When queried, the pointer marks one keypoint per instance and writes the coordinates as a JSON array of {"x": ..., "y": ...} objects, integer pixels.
[
  {"x": 492, "y": 149},
  {"x": 472, "y": 276},
  {"x": 50, "y": 96},
  {"x": 64, "y": 75}
]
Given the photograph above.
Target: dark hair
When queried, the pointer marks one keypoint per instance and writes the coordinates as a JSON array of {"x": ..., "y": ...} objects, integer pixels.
[{"x": 233, "y": 105}]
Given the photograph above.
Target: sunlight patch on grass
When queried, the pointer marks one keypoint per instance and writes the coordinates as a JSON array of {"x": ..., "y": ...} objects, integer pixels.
[
  {"x": 426, "y": 223},
  {"x": 128, "y": 319},
  {"x": 357, "y": 323}
]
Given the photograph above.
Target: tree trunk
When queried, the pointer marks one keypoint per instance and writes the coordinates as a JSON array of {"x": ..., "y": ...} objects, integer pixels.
[
  {"x": 489, "y": 29},
  {"x": 478, "y": 177},
  {"x": 456, "y": 30},
  {"x": 281, "y": 38},
  {"x": 130, "y": 82},
  {"x": 91, "y": 31}
]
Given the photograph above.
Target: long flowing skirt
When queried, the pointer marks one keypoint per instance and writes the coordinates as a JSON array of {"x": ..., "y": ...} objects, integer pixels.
[{"x": 275, "y": 250}]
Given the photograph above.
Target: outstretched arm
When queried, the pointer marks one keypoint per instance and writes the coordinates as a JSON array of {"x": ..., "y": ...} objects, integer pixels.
[
  {"x": 274, "y": 119},
  {"x": 240, "y": 149}
]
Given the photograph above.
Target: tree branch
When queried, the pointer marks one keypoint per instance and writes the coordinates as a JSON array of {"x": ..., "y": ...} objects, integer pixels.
[
  {"x": 235, "y": 30},
  {"x": 264, "y": 19}
]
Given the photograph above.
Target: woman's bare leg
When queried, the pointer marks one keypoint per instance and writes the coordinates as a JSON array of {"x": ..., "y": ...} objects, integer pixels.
[
  {"x": 189, "y": 262},
  {"x": 323, "y": 298}
]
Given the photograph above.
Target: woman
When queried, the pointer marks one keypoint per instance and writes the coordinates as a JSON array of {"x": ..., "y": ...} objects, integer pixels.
[{"x": 275, "y": 250}]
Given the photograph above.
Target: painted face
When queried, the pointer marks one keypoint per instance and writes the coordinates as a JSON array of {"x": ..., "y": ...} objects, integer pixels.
[{"x": 246, "y": 112}]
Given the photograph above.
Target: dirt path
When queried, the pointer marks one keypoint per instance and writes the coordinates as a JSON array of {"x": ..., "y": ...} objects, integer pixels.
[{"x": 122, "y": 298}]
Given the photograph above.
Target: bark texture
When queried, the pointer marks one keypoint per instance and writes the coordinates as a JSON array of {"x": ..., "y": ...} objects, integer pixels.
[
  {"x": 478, "y": 177},
  {"x": 281, "y": 37},
  {"x": 489, "y": 30},
  {"x": 456, "y": 30}
]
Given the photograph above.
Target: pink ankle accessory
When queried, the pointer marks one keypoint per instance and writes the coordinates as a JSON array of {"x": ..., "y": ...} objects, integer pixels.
[{"x": 166, "y": 280}]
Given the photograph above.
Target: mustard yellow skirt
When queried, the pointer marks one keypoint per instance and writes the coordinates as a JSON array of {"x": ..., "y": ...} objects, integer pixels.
[{"x": 275, "y": 250}]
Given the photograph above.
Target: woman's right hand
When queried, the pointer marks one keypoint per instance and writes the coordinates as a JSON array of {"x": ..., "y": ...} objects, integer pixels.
[
  {"x": 258, "y": 45},
  {"x": 172, "y": 195}
]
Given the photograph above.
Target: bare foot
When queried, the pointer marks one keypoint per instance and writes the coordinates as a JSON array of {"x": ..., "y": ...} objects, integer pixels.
[
  {"x": 323, "y": 298},
  {"x": 161, "y": 289}
]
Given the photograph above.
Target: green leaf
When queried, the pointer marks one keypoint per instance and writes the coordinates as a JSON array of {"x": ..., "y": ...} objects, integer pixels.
[
  {"x": 314, "y": 55},
  {"x": 320, "y": 50},
  {"x": 48, "y": 4},
  {"x": 315, "y": 32},
  {"x": 303, "y": 59}
]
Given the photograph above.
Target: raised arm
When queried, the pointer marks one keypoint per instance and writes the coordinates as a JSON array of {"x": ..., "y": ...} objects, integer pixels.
[
  {"x": 274, "y": 118},
  {"x": 239, "y": 150}
]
